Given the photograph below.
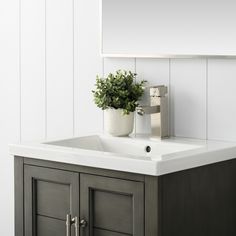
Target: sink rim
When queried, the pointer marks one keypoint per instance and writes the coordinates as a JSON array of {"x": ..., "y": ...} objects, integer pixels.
[{"x": 211, "y": 152}]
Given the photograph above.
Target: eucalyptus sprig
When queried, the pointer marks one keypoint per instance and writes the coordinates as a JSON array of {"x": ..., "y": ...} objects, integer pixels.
[{"x": 118, "y": 90}]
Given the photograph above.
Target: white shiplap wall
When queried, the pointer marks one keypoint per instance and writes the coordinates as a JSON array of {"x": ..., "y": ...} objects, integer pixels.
[
  {"x": 32, "y": 73},
  {"x": 201, "y": 94},
  {"x": 10, "y": 107},
  {"x": 49, "y": 58},
  {"x": 188, "y": 97}
]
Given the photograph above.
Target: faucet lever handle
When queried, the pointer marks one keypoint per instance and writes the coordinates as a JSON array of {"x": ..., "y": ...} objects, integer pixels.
[{"x": 158, "y": 91}]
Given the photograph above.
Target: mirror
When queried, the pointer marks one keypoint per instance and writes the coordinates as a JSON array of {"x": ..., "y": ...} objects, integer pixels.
[{"x": 168, "y": 28}]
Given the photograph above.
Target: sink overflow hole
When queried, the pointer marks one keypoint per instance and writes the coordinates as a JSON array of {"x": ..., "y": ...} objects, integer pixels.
[{"x": 148, "y": 149}]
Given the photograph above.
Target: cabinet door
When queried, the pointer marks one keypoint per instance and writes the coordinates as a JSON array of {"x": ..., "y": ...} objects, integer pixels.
[
  {"x": 111, "y": 207},
  {"x": 49, "y": 196}
]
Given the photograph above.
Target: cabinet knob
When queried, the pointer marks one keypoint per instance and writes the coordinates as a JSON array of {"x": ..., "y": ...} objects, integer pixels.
[
  {"x": 74, "y": 221},
  {"x": 83, "y": 223}
]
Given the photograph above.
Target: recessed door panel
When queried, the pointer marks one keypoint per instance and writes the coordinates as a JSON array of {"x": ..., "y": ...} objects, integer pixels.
[
  {"x": 113, "y": 211},
  {"x": 53, "y": 199},
  {"x": 50, "y": 227},
  {"x": 49, "y": 196},
  {"x": 111, "y": 206}
]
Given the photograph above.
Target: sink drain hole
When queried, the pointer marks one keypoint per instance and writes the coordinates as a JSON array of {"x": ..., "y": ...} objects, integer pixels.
[{"x": 148, "y": 149}]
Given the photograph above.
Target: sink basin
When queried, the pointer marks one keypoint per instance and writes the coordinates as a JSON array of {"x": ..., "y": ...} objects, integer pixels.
[
  {"x": 137, "y": 147},
  {"x": 140, "y": 155}
]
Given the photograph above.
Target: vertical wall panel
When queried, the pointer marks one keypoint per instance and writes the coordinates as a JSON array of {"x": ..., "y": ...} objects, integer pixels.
[
  {"x": 156, "y": 72},
  {"x": 76, "y": 66},
  {"x": 221, "y": 99},
  {"x": 59, "y": 68},
  {"x": 88, "y": 118},
  {"x": 188, "y": 97},
  {"x": 32, "y": 69},
  {"x": 111, "y": 65},
  {"x": 10, "y": 108}
]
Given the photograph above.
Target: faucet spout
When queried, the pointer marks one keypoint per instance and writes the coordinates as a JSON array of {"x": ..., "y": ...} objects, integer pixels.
[
  {"x": 142, "y": 110},
  {"x": 158, "y": 110}
]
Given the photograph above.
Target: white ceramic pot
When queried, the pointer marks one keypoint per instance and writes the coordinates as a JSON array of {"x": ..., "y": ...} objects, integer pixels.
[{"x": 118, "y": 124}]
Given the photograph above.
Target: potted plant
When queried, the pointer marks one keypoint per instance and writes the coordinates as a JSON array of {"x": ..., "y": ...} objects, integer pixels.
[{"x": 118, "y": 96}]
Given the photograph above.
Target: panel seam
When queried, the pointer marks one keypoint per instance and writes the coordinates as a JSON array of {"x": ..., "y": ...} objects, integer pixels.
[
  {"x": 45, "y": 65},
  {"x": 207, "y": 77},
  {"x": 73, "y": 66},
  {"x": 20, "y": 74},
  {"x": 169, "y": 103},
  {"x": 103, "y": 75},
  {"x": 135, "y": 115}
]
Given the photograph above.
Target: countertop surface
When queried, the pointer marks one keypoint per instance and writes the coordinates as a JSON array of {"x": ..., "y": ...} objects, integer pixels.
[{"x": 129, "y": 154}]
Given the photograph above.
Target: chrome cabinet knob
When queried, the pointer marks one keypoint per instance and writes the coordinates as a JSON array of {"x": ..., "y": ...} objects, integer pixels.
[
  {"x": 74, "y": 221},
  {"x": 83, "y": 223}
]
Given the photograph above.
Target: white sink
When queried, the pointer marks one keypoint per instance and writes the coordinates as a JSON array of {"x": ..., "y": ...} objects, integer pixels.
[
  {"x": 137, "y": 155},
  {"x": 137, "y": 147}
]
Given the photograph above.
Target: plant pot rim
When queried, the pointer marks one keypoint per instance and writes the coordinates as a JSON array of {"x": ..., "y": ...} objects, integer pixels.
[{"x": 112, "y": 108}]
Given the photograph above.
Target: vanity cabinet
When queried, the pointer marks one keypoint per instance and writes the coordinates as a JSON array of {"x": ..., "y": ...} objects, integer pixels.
[
  {"x": 102, "y": 205},
  {"x": 98, "y": 202}
]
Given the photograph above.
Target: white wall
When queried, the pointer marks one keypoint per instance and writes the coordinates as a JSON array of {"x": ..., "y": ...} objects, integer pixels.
[
  {"x": 201, "y": 92},
  {"x": 9, "y": 107},
  {"x": 48, "y": 62}
]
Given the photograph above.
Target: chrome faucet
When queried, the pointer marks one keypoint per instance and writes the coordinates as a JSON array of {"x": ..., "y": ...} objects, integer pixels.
[{"x": 158, "y": 109}]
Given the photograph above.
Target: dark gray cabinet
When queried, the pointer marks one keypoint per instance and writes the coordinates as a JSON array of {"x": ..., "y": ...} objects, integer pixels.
[
  {"x": 106, "y": 205},
  {"x": 197, "y": 202}
]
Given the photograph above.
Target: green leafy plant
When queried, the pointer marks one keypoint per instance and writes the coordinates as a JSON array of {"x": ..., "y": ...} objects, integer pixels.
[{"x": 118, "y": 90}]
